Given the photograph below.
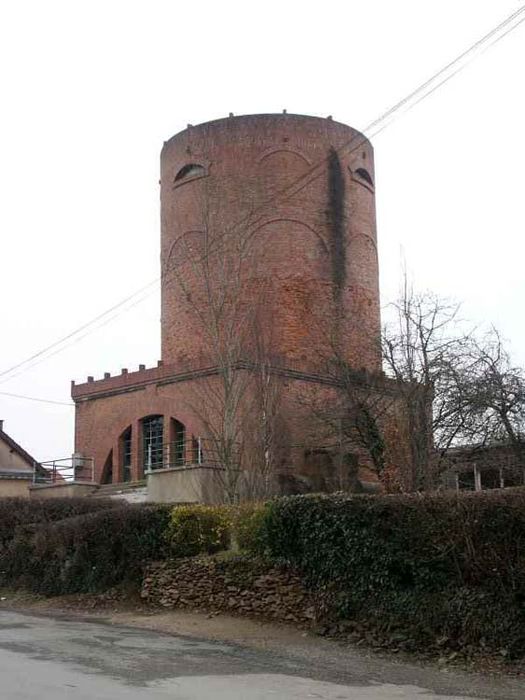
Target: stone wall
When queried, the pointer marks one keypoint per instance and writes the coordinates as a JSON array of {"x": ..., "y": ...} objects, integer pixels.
[{"x": 237, "y": 585}]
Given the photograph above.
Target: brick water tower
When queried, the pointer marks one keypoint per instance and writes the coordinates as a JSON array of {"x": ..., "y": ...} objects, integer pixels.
[{"x": 268, "y": 240}]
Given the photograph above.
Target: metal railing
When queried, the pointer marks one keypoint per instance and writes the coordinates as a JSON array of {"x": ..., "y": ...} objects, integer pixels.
[
  {"x": 181, "y": 454},
  {"x": 66, "y": 470}
]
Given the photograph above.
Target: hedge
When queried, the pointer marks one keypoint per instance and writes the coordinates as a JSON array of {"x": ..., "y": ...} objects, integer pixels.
[
  {"x": 16, "y": 512},
  {"x": 450, "y": 566},
  {"x": 89, "y": 553},
  {"x": 198, "y": 529}
]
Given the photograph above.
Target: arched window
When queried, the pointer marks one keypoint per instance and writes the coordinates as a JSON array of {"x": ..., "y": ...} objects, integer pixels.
[
  {"x": 364, "y": 175},
  {"x": 190, "y": 170},
  {"x": 153, "y": 442}
]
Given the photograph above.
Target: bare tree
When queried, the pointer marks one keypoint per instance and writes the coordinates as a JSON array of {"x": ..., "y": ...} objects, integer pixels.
[
  {"x": 495, "y": 390},
  {"x": 237, "y": 401},
  {"x": 425, "y": 350},
  {"x": 263, "y": 429},
  {"x": 348, "y": 412}
]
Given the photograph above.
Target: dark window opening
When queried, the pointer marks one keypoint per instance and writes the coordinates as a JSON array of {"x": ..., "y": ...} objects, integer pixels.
[
  {"x": 319, "y": 470},
  {"x": 126, "y": 455},
  {"x": 490, "y": 479},
  {"x": 467, "y": 481},
  {"x": 190, "y": 170},
  {"x": 152, "y": 442},
  {"x": 513, "y": 476},
  {"x": 364, "y": 175}
]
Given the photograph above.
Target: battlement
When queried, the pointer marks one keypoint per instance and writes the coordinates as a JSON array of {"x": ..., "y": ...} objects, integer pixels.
[
  {"x": 119, "y": 381},
  {"x": 200, "y": 365}
]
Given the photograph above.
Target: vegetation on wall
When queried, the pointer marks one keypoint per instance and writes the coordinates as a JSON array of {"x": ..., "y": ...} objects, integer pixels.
[
  {"x": 87, "y": 553},
  {"x": 449, "y": 567}
]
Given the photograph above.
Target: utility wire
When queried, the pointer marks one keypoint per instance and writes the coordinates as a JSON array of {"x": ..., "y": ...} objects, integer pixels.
[
  {"x": 420, "y": 93},
  {"x": 80, "y": 329},
  {"x": 34, "y": 398},
  {"x": 76, "y": 340}
]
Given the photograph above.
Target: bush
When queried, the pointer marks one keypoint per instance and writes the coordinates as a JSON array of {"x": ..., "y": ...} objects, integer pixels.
[
  {"x": 198, "y": 529},
  {"x": 15, "y": 512},
  {"x": 248, "y": 527},
  {"x": 90, "y": 553},
  {"x": 434, "y": 565}
]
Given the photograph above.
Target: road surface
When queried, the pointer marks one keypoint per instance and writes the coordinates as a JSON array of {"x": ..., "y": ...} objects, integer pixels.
[{"x": 46, "y": 658}]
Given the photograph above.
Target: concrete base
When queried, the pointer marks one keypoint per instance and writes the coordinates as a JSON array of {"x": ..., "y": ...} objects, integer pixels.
[
  {"x": 197, "y": 484},
  {"x": 68, "y": 489}
]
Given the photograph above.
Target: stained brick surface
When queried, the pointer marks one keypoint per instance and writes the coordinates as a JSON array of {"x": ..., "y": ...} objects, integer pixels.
[{"x": 280, "y": 195}]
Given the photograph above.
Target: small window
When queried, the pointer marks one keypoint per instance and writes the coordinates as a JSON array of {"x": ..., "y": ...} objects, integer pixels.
[
  {"x": 191, "y": 170},
  {"x": 364, "y": 175}
]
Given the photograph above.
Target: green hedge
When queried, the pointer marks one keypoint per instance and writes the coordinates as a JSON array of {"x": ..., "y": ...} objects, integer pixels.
[
  {"x": 89, "y": 553},
  {"x": 198, "y": 529},
  {"x": 247, "y": 526},
  {"x": 433, "y": 566},
  {"x": 15, "y": 512}
]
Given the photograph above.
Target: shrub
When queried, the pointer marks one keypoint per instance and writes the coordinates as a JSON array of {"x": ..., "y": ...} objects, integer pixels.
[
  {"x": 92, "y": 552},
  {"x": 434, "y": 565},
  {"x": 15, "y": 512},
  {"x": 248, "y": 527},
  {"x": 198, "y": 529}
]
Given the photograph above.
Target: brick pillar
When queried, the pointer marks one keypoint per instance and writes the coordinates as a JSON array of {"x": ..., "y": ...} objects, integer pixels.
[
  {"x": 137, "y": 461},
  {"x": 118, "y": 460},
  {"x": 168, "y": 438}
]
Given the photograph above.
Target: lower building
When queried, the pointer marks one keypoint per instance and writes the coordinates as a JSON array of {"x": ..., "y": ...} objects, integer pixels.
[{"x": 17, "y": 467}]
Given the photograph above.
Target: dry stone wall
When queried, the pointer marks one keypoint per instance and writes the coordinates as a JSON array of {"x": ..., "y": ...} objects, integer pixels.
[{"x": 237, "y": 585}]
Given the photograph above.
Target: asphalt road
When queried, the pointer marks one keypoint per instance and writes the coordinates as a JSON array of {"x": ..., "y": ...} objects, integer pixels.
[{"x": 44, "y": 658}]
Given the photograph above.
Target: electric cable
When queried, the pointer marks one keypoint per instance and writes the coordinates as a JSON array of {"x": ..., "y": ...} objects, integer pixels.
[{"x": 416, "y": 96}]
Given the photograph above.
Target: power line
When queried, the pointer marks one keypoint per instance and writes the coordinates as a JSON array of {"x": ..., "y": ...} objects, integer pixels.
[
  {"x": 78, "y": 330},
  {"x": 417, "y": 95},
  {"x": 79, "y": 338},
  {"x": 34, "y": 398}
]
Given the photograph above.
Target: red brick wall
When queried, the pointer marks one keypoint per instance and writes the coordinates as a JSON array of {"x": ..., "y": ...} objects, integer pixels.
[{"x": 313, "y": 253}]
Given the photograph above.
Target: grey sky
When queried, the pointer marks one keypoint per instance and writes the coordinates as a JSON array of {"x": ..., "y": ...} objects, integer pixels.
[{"x": 91, "y": 89}]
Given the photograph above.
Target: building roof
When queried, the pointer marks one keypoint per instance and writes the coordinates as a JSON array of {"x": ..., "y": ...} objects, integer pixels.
[{"x": 13, "y": 445}]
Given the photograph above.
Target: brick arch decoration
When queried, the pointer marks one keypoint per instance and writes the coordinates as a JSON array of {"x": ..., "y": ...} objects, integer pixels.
[
  {"x": 293, "y": 261},
  {"x": 283, "y": 220},
  {"x": 180, "y": 239},
  {"x": 279, "y": 149}
]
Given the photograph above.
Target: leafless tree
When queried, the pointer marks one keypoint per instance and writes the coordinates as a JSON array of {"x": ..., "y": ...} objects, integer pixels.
[
  {"x": 262, "y": 425},
  {"x": 425, "y": 350},
  {"x": 237, "y": 401},
  {"x": 495, "y": 390}
]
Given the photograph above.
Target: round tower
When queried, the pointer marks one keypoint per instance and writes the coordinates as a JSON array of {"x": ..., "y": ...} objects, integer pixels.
[{"x": 269, "y": 236}]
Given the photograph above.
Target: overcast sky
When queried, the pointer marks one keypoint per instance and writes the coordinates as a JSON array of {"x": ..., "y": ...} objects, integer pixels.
[{"x": 90, "y": 90}]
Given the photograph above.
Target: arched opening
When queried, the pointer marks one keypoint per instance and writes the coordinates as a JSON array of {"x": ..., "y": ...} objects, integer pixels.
[
  {"x": 190, "y": 170},
  {"x": 364, "y": 175},
  {"x": 152, "y": 442},
  {"x": 177, "y": 456},
  {"x": 320, "y": 469}
]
